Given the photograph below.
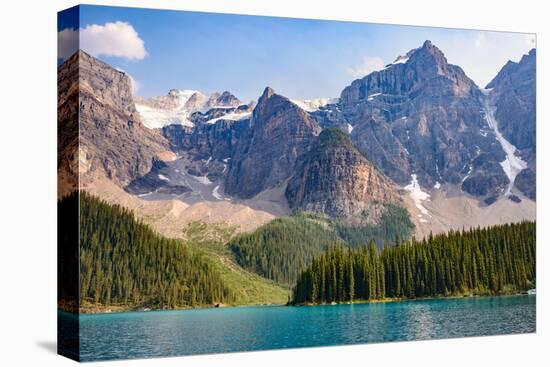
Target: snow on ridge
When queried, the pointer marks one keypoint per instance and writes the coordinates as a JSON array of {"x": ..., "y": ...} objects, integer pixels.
[
  {"x": 311, "y": 105},
  {"x": 400, "y": 60},
  {"x": 163, "y": 177},
  {"x": 437, "y": 185},
  {"x": 350, "y": 128},
  {"x": 233, "y": 116},
  {"x": 417, "y": 195}
]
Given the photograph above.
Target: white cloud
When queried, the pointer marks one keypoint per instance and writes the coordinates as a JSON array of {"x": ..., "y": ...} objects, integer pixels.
[
  {"x": 67, "y": 43},
  {"x": 118, "y": 39},
  {"x": 367, "y": 66}
]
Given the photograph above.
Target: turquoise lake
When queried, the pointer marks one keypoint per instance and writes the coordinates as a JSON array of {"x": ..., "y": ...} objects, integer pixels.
[{"x": 217, "y": 330}]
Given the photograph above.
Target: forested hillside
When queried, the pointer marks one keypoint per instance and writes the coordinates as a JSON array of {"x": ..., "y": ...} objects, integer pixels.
[
  {"x": 122, "y": 261},
  {"x": 282, "y": 248},
  {"x": 494, "y": 260}
]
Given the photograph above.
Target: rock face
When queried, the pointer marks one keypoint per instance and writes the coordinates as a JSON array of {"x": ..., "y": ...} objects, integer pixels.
[
  {"x": 218, "y": 140},
  {"x": 155, "y": 181},
  {"x": 67, "y": 127},
  {"x": 113, "y": 141},
  {"x": 513, "y": 93},
  {"x": 421, "y": 115},
  {"x": 337, "y": 180},
  {"x": 279, "y": 136}
]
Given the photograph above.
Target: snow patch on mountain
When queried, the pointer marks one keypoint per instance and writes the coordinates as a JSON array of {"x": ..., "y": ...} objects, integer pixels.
[
  {"x": 233, "y": 116},
  {"x": 512, "y": 164},
  {"x": 216, "y": 193},
  {"x": 417, "y": 195},
  {"x": 156, "y": 118},
  {"x": 202, "y": 179},
  {"x": 177, "y": 107},
  {"x": 371, "y": 97}
]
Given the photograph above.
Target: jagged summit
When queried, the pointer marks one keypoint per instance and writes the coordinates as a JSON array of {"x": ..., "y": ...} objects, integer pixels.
[
  {"x": 424, "y": 116},
  {"x": 268, "y": 92},
  {"x": 281, "y": 135}
]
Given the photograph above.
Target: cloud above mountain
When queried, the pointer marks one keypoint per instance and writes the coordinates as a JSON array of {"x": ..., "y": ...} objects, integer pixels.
[
  {"x": 366, "y": 66},
  {"x": 115, "y": 39}
]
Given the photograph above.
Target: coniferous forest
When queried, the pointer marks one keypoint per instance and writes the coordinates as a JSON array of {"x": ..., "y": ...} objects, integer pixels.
[
  {"x": 282, "y": 248},
  {"x": 493, "y": 260},
  {"x": 123, "y": 261}
]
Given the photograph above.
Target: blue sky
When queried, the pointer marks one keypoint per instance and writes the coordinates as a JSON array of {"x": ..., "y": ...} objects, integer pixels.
[{"x": 299, "y": 58}]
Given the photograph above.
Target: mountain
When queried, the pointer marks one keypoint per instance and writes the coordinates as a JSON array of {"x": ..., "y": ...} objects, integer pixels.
[
  {"x": 112, "y": 141},
  {"x": 337, "y": 180},
  {"x": 280, "y": 135},
  {"x": 513, "y": 94},
  {"x": 421, "y": 115},
  {"x": 178, "y": 107},
  {"x": 67, "y": 126},
  {"x": 418, "y": 133}
]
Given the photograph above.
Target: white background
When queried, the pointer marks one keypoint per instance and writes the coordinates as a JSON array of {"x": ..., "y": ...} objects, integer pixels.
[{"x": 28, "y": 181}]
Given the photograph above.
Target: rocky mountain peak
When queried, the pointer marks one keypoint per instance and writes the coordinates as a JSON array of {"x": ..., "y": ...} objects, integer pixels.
[
  {"x": 421, "y": 115},
  {"x": 279, "y": 137},
  {"x": 271, "y": 103},
  {"x": 228, "y": 99},
  {"x": 337, "y": 180},
  {"x": 524, "y": 70},
  {"x": 268, "y": 92},
  {"x": 513, "y": 95},
  {"x": 112, "y": 140}
]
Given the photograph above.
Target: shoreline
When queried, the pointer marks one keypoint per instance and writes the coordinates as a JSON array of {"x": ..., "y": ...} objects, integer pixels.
[
  {"x": 114, "y": 309},
  {"x": 405, "y": 299}
]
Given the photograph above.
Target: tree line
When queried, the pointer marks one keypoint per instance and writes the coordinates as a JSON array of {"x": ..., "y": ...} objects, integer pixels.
[{"x": 493, "y": 260}]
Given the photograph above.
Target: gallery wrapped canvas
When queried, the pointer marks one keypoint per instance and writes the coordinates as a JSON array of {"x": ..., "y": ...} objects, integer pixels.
[{"x": 234, "y": 183}]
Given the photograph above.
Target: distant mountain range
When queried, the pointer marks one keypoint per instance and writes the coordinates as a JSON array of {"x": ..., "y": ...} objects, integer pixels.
[{"x": 417, "y": 130}]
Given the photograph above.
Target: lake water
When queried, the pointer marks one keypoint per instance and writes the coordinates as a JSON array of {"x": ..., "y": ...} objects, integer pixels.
[{"x": 216, "y": 330}]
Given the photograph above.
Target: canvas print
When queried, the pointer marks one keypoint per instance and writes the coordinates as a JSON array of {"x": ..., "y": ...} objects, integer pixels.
[{"x": 233, "y": 183}]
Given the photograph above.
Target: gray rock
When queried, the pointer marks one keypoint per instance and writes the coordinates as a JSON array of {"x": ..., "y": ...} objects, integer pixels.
[
  {"x": 337, "y": 180},
  {"x": 113, "y": 141},
  {"x": 279, "y": 135}
]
